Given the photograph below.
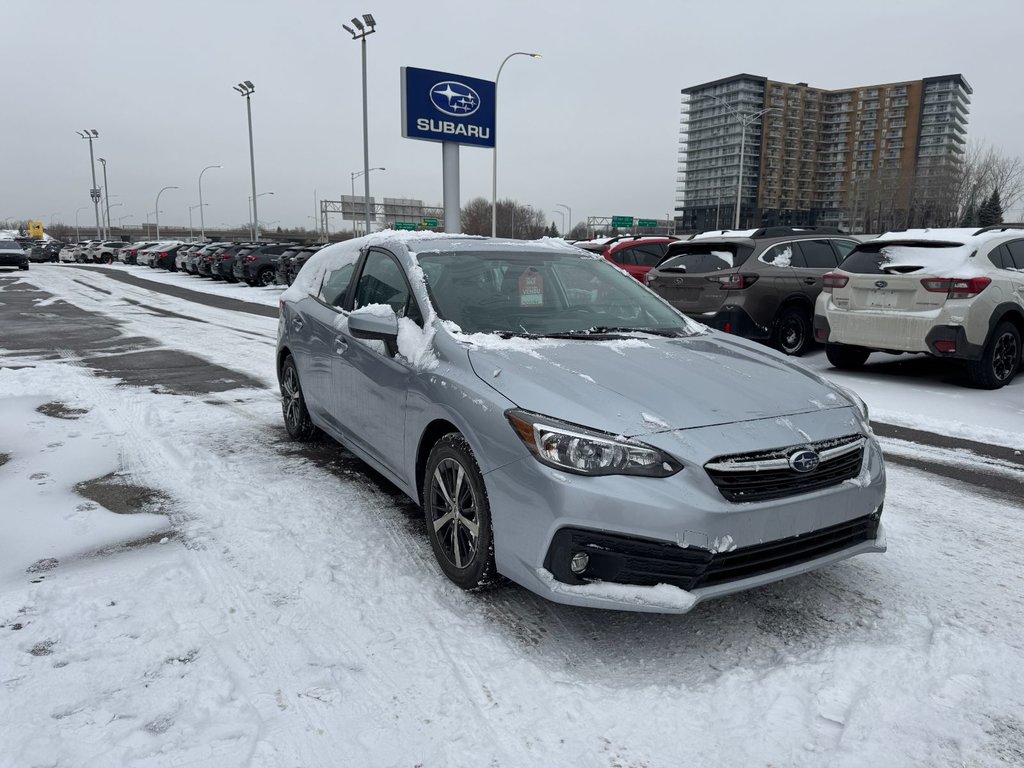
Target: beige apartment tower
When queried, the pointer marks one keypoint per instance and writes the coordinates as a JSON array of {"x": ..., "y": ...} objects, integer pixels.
[{"x": 869, "y": 158}]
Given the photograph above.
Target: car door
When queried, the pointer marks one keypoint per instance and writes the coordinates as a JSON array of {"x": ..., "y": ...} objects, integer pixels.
[
  {"x": 316, "y": 323},
  {"x": 1014, "y": 270},
  {"x": 812, "y": 260},
  {"x": 371, "y": 384}
]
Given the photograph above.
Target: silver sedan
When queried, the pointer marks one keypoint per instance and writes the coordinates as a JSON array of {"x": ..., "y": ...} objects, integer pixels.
[{"x": 564, "y": 427}]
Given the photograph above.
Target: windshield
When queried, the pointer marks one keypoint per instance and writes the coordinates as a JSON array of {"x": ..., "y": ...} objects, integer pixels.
[{"x": 543, "y": 294}]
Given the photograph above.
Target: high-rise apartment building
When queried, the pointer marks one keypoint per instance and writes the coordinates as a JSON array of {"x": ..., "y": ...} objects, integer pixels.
[{"x": 868, "y": 158}]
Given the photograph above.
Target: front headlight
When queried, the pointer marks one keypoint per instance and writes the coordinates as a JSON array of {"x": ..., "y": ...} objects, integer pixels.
[
  {"x": 857, "y": 403},
  {"x": 586, "y": 452}
]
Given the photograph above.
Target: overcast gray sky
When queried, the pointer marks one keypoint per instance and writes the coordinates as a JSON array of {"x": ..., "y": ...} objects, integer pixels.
[{"x": 593, "y": 124}]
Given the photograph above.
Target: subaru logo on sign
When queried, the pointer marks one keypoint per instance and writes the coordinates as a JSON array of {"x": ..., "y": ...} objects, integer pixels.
[
  {"x": 454, "y": 98},
  {"x": 804, "y": 461},
  {"x": 880, "y": 284}
]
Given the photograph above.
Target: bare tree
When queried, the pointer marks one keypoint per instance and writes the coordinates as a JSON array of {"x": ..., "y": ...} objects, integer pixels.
[{"x": 514, "y": 219}]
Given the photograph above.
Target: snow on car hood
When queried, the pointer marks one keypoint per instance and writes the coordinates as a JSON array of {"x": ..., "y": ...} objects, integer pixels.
[{"x": 643, "y": 385}]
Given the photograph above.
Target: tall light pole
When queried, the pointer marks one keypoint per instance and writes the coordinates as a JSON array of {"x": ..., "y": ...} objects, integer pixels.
[
  {"x": 744, "y": 120},
  {"x": 246, "y": 88},
  {"x": 356, "y": 175},
  {"x": 567, "y": 208},
  {"x": 254, "y": 226},
  {"x": 78, "y": 232},
  {"x": 122, "y": 218},
  {"x": 90, "y": 134},
  {"x": 562, "y": 214},
  {"x": 202, "y": 222},
  {"x": 106, "y": 193},
  {"x": 368, "y": 29},
  {"x": 191, "y": 235},
  {"x": 158, "y": 209},
  {"x": 494, "y": 152},
  {"x": 109, "y": 206}
]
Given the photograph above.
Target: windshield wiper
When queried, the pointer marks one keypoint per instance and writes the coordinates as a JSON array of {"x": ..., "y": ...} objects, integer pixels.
[{"x": 604, "y": 330}]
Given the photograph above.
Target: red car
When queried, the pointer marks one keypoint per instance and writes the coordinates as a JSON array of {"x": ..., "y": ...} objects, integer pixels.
[{"x": 636, "y": 254}]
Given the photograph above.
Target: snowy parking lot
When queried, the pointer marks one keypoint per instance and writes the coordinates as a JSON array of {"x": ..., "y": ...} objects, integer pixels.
[{"x": 181, "y": 585}]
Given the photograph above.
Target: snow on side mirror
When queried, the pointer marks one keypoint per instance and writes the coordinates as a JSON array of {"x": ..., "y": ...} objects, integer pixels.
[{"x": 377, "y": 322}]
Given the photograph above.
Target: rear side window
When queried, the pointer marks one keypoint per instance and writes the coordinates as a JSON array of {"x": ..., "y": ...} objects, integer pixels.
[
  {"x": 704, "y": 258},
  {"x": 1015, "y": 251},
  {"x": 335, "y": 285},
  {"x": 781, "y": 255},
  {"x": 843, "y": 247},
  {"x": 641, "y": 255},
  {"x": 814, "y": 254}
]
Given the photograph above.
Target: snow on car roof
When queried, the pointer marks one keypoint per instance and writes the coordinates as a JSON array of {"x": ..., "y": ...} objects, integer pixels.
[
  {"x": 724, "y": 233},
  {"x": 958, "y": 235}
]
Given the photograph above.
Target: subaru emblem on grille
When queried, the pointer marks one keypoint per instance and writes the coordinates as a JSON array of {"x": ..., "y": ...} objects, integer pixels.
[
  {"x": 804, "y": 461},
  {"x": 880, "y": 284}
]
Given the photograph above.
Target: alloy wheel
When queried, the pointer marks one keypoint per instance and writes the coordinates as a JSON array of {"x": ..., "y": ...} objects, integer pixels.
[
  {"x": 1005, "y": 357},
  {"x": 454, "y": 512},
  {"x": 291, "y": 397}
]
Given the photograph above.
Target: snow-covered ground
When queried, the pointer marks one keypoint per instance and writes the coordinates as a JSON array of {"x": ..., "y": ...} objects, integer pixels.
[{"x": 284, "y": 608}]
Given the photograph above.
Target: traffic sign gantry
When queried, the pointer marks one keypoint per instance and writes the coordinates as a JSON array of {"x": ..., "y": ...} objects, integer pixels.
[
  {"x": 646, "y": 223},
  {"x": 622, "y": 221},
  {"x": 405, "y": 225}
]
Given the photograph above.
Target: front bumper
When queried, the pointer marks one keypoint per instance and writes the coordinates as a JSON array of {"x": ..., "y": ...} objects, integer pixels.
[
  {"x": 12, "y": 260},
  {"x": 663, "y": 545}
]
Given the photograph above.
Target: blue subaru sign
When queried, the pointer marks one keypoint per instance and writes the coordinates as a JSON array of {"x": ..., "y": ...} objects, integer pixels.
[{"x": 440, "y": 106}]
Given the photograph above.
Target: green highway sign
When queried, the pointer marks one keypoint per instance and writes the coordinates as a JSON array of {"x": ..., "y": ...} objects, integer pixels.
[
  {"x": 406, "y": 225},
  {"x": 646, "y": 223},
  {"x": 622, "y": 221},
  {"x": 430, "y": 222}
]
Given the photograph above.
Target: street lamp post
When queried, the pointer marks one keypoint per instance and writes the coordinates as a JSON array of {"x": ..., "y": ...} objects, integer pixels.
[
  {"x": 202, "y": 222},
  {"x": 158, "y": 209},
  {"x": 253, "y": 225},
  {"x": 78, "y": 232},
  {"x": 106, "y": 193},
  {"x": 246, "y": 88},
  {"x": 744, "y": 120},
  {"x": 109, "y": 206},
  {"x": 494, "y": 151},
  {"x": 562, "y": 214},
  {"x": 356, "y": 175},
  {"x": 368, "y": 29},
  {"x": 191, "y": 234},
  {"x": 569, "y": 210},
  {"x": 90, "y": 134},
  {"x": 122, "y": 218}
]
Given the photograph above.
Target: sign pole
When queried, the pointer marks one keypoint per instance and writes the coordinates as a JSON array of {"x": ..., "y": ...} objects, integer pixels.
[{"x": 450, "y": 185}]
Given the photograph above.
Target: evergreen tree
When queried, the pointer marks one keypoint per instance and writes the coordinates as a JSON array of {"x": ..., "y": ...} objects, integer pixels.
[
  {"x": 970, "y": 215},
  {"x": 995, "y": 207}
]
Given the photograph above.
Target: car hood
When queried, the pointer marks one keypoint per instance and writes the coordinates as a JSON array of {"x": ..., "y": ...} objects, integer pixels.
[{"x": 636, "y": 386}]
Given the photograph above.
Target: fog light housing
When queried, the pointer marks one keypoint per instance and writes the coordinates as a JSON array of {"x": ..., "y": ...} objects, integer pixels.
[
  {"x": 579, "y": 563},
  {"x": 945, "y": 345}
]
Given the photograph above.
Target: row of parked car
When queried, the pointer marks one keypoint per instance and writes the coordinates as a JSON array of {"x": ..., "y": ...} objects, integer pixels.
[{"x": 949, "y": 293}]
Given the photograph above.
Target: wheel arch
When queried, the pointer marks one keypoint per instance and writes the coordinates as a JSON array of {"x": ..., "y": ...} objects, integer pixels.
[
  {"x": 1011, "y": 313},
  {"x": 433, "y": 432}
]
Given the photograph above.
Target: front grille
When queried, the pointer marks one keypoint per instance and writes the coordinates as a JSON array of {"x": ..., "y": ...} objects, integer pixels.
[
  {"x": 767, "y": 475},
  {"x": 644, "y": 562}
]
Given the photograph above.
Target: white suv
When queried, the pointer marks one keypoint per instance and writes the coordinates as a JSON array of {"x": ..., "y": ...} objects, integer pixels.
[{"x": 956, "y": 293}]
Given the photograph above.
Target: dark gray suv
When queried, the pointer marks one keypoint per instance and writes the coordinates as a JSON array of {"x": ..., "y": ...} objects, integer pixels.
[{"x": 761, "y": 285}]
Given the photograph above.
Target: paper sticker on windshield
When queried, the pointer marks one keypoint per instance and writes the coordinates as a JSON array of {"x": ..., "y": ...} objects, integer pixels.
[{"x": 531, "y": 289}]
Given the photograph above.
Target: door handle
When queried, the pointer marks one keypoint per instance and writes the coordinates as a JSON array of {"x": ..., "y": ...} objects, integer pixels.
[
  {"x": 810, "y": 280},
  {"x": 340, "y": 345}
]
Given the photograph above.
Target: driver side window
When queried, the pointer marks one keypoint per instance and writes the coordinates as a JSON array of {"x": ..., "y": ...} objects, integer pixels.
[{"x": 382, "y": 282}]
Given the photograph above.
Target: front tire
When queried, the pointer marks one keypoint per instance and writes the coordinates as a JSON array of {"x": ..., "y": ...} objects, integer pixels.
[
  {"x": 846, "y": 357},
  {"x": 458, "y": 514},
  {"x": 999, "y": 362},
  {"x": 293, "y": 405},
  {"x": 792, "y": 332}
]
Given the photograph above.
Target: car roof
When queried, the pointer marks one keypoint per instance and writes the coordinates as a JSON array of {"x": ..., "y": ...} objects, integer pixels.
[{"x": 951, "y": 235}]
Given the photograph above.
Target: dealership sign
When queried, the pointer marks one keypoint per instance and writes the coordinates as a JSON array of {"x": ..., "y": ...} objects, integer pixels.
[{"x": 440, "y": 106}]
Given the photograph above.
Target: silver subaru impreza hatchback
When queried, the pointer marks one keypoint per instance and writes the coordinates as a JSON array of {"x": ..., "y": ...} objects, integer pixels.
[{"x": 564, "y": 427}]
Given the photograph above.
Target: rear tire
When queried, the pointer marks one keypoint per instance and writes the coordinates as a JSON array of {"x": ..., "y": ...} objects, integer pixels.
[
  {"x": 792, "y": 331},
  {"x": 297, "y": 422},
  {"x": 264, "y": 278},
  {"x": 846, "y": 357},
  {"x": 458, "y": 515},
  {"x": 999, "y": 362}
]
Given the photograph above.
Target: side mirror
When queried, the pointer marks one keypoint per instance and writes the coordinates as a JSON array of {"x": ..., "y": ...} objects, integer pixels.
[{"x": 377, "y": 322}]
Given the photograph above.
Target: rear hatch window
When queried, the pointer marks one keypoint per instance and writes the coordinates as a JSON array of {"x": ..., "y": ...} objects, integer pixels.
[
  {"x": 932, "y": 257},
  {"x": 704, "y": 258}
]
